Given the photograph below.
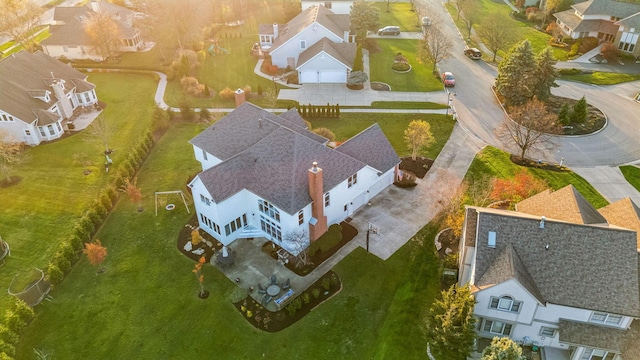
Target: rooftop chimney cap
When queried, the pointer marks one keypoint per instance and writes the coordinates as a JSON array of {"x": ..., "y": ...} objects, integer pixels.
[{"x": 314, "y": 166}]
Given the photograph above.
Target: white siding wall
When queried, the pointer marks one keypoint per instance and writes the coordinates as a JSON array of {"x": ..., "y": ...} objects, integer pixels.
[
  {"x": 77, "y": 52},
  {"x": 210, "y": 162},
  {"x": 15, "y": 129},
  {"x": 292, "y": 47}
]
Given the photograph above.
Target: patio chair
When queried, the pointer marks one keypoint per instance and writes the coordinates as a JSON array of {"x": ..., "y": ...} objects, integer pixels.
[
  {"x": 266, "y": 299},
  {"x": 286, "y": 284},
  {"x": 261, "y": 290},
  {"x": 274, "y": 280}
]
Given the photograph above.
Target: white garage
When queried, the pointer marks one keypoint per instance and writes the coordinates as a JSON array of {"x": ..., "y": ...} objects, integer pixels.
[{"x": 326, "y": 62}]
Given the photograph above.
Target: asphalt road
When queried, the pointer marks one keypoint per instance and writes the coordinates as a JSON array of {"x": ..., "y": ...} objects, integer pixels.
[{"x": 480, "y": 113}]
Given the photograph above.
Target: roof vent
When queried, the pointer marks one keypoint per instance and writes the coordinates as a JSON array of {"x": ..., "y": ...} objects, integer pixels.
[
  {"x": 546, "y": 247},
  {"x": 542, "y": 219},
  {"x": 491, "y": 241}
]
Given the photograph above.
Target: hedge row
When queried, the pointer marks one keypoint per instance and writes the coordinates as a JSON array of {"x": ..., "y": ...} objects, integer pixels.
[
  {"x": 331, "y": 238},
  {"x": 15, "y": 321}
]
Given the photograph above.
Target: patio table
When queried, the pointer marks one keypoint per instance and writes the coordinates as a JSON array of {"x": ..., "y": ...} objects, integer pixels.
[{"x": 273, "y": 290}]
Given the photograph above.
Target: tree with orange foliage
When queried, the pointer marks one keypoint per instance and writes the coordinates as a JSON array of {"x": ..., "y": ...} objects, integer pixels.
[
  {"x": 520, "y": 187},
  {"x": 198, "y": 272},
  {"x": 134, "y": 192},
  {"x": 96, "y": 253},
  {"x": 104, "y": 33}
]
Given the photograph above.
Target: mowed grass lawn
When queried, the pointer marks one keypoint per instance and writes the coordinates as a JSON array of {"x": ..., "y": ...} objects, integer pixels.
[
  {"x": 602, "y": 78},
  {"x": 420, "y": 78},
  {"x": 399, "y": 14},
  {"x": 632, "y": 174},
  {"x": 496, "y": 163},
  {"x": 40, "y": 211},
  {"x": 393, "y": 126},
  {"x": 145, "y": 305},
  {"x": 522, "y": 30}
]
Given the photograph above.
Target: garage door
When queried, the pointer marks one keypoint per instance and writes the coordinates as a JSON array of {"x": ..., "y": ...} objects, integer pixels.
[
  {"x": 308, "y": 77},
  {"x": 339, "y": 76}
]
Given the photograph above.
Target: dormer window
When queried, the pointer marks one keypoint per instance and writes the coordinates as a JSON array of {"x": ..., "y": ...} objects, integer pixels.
[
  {"x": 47, "y": 97},
  {"x": 505, "y": 303}
]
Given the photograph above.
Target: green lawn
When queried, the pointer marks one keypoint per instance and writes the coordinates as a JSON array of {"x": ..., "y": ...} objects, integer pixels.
[
  {"x": 524, "y": 30},
  {"x": 145, "y": 305},
  {"x": 632, "y": 174},
  {"x": 419, "y": 78},
  {"x": 399, "y": 14},
  {"x": 40, "y": 211},
  {"x": 602, "y": 78},
  {"x": 495, "y": 163},
  {"x": 393, "y": 125}
]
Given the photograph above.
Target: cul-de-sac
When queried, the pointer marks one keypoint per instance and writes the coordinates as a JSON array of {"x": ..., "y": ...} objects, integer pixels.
[{"x": 303, "y": 179}]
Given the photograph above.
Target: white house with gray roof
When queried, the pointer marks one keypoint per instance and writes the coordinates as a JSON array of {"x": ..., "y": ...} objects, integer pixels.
[
  {"x": 608, "y": 20},
  {"x": 70, "y": 40},
  {"x": 316, "y": 43},
  {"x": 38, "y": 95},
  {"x": 266, "y": 175},
  {"x": 569, "y": 287}
]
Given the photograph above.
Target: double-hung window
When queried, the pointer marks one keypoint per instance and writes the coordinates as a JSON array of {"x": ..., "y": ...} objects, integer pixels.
[
  {"x": 496, "y": 327},
  {"x": 505, "y": 303},
  {"x": 353, "y": 179}
]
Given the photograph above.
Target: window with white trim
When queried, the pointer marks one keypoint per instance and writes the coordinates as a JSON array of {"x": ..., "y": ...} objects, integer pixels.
[
  {"x": 204, "y": 155},
  {"x": 269, "y": 210},
  {"x": 597, "y": 354},
  {"x": 496, "y": 327},
  {"x": 505, "y": 303},
  {"x": 300, "y": 217},
  {"x": 210, "y": 224},
  {"x": 303, "y": 44},
  {"x": 628, "y": 41},
  {"x": 235, "y": 225},
  {"x": 327, "y": 200},
  {"x": 547, "y": 331},
  {"x": 51, "y": 131},
  {"x": 27, "y": 132},
  {"x": 353, "y": 179},
  {"x": 205, "y": 200},
  {"x": 272, "y": 229},
  {"x": 605, "y": 318}
]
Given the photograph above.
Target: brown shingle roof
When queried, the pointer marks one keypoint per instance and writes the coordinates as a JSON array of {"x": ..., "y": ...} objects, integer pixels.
[
  {"x": 343, "y": 52},
  {"x": 23, "y": 73},
  {"x": 584, "y": 266},
  {"x": 565, "y": 204},
  {"x": 623, "y": 213},
  {"x": 592, "y": 335}
]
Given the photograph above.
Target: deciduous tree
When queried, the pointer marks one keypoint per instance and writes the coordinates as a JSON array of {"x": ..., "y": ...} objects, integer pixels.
[
  {"x": 19, "y": 20},
  {"x": 496, "y": 33},
  {"x": 12, "y": 155},
  {"x": 450, "y": 324},
  {"x": 520, "y": 187},
  {"x": 104, "y": 33},
  {"x": 546, "y": 74},
  {"x": 298, "y": 242},
  {"x": 517, "y": 79},
  {"x": 434, "y": 46},
  {"x": 358, "y": 63},
  {"x": 470, "y": 13},
  {"x": 365, "y": 16},
  {"x": 99, "y": 132},
  {"x": 502, "y": 348},
  {"x": 531, "y": 127},
  {"x": 133, "y": 191},
  {"x": 95, "y": 252},
  {"x": 197, "y": 271},
  {"x": 418, "y": 136}
]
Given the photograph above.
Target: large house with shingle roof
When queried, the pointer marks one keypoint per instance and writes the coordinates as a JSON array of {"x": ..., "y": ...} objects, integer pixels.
[
  {"x": 316, "y": 43},
  {"x": 567, "y": 283},
  {"x": 38, "y": 95},
  {"x": 266, "y": 175},
  {"x": 337, "y": 6},
  {"x": 608, "y": 20},
  {"x": 70, "y": 40}
]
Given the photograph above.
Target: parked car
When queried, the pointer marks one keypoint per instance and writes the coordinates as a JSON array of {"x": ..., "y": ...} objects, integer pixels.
[
  {"x": 448, "y": 79},
  {"x": 389, "y": 30},
  {"x": 426, "y": 21},
  {"x": 473, "y": 53}
]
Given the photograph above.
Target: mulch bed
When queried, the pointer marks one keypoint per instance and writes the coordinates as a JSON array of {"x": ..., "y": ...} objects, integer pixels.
[
  {"x": 536, "y": 164},
  {"x": 185, "y": 235},
  {"x": 448, "y": 240},
  {"x": 327, "y": 286},
  {"x": 418, "y": 167},
  {"x": 348, "y": 233},
  {"x": 594, "y": 122}
]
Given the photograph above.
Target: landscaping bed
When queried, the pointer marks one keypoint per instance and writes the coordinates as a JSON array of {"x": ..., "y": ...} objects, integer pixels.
[
  {"x": 348, "y": 233},
  {"x": 418, "y": 167},
  {"x": 323, "y": 289}
]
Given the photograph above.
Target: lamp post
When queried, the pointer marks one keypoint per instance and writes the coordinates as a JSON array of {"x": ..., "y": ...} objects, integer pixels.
[
  {"x": 368, "y": 231},
  {"x": 450, "y": 110}
]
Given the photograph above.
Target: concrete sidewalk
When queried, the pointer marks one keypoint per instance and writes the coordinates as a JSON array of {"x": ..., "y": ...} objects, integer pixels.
[{"x": 609, "y": 182}]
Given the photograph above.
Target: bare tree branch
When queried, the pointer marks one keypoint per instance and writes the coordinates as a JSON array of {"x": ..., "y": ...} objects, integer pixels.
[{"x": 531, "y": 127}]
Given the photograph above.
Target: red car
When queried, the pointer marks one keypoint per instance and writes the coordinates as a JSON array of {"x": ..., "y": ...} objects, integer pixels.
[{"x": 448, "y": 79}]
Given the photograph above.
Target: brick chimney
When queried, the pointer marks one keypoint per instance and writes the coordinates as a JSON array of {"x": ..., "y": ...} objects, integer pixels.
[
  {"x": 240, "y": 97},
  {"x": 318, "y": 222}
]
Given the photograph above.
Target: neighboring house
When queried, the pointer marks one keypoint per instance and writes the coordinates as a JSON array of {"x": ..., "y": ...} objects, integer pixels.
[
  {"x": 266, "y": 175},
  {"x": 623, "y": 213},
  {"x": 337, "y": 6},
  {"x": 316, "y": 43},
  {"x": 70, "y": 40},
  {"x": 608, "y": 20},
  {"x": 567, "y": 285},
  {"x": 38, "y": 94}
]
